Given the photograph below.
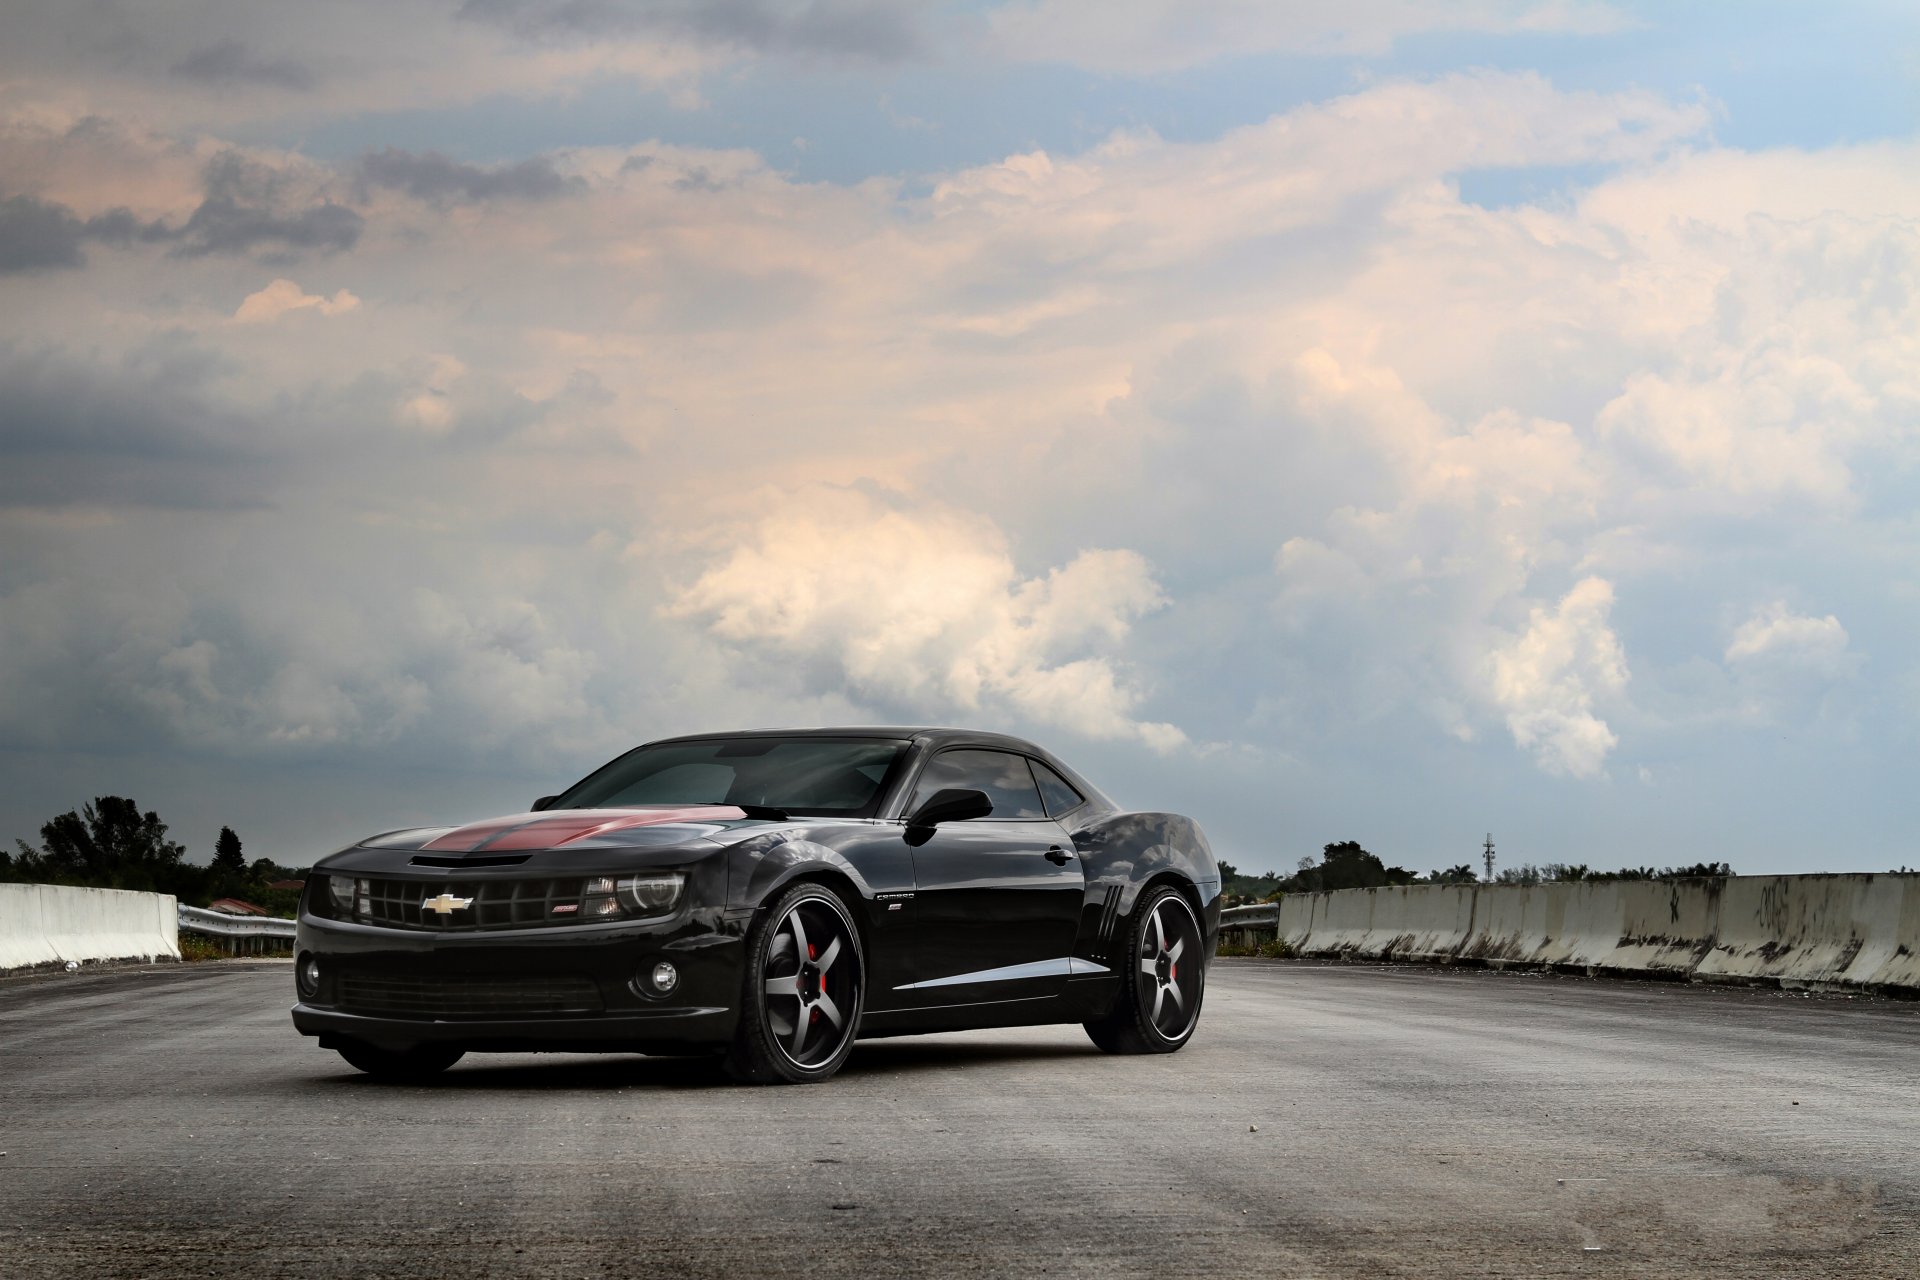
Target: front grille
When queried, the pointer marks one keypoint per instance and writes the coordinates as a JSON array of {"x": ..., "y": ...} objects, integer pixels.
[
  {"x": 468, "y": 995},
  {"x": 495, "y": 904}
]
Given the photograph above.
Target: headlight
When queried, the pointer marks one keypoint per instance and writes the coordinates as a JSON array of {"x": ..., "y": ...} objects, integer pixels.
[
  {"x": 611, "y": 898},
  {"x": 653, "y": 894},
  {"x": 349, "y": 897}
]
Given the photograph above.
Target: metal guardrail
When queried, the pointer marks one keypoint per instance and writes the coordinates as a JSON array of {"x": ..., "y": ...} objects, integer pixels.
[
  {"x": 1257, "y": 913},
  {"x": 221, "y": 925}
]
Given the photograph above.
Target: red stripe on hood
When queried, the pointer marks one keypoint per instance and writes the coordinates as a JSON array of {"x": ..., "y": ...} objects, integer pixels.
[{"x": 551, "y": 830}]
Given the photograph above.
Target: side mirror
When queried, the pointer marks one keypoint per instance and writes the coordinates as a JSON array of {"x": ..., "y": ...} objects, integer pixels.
[
  {"x": 542, "y": 803},
  {"x": 951, "y": 804}
]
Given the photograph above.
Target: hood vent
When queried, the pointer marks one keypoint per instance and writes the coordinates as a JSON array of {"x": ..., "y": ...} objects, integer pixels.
[{"x": 497, "y": 860}]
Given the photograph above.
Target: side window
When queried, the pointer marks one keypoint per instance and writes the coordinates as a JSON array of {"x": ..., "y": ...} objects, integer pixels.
[
  {"x": 1055, "y": 790},
  {"x": 1004, "y": 777}
]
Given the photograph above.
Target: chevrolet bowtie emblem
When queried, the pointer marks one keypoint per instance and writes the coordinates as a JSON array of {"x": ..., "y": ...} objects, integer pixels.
[{"x": 446, "y": 904}]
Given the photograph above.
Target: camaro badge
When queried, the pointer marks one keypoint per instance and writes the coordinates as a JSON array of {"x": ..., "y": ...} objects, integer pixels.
[{"x": 446, "y": 904}]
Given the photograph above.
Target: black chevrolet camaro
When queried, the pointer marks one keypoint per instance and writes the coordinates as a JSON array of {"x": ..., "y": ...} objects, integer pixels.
[{"x": 769, "y": 896}]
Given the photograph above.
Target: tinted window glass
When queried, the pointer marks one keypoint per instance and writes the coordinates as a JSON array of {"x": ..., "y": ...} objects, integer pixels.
[
  {"x": 831, "y": 776},
  {"x": 1055, "y": 790},
  {"x": 1003, "y": 777}
]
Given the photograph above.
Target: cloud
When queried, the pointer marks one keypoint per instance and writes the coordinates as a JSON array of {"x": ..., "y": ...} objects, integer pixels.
[
  {"x": 862, "y": 29},
  {"x": 433, "y": 408},
  {"x": 36, "y": 236},
  {"x": 145, "y": 428},
  {"x": 1776, "y": 635},
  {"x": 232, "y": 62},
  {"x": 282, "y": 296},
  {"x": 435, "y": 178},
  {"x": 248, "y": 63},
  {"x": 245, "y": 205},
  {"x": 1268, "y": 435},
  {"x": 921, "y": 606},
  {"x": 1147, "y": 36},
  {"x": 247, "y": 208},
  {"x": 1546, "y": 680}
]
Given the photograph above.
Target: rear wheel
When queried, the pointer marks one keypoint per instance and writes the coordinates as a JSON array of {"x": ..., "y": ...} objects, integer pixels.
[
  {"x": 422, "y": 1063},
  {"x": 1165, "y": 978},
  {"x": 804, "y": 989}
]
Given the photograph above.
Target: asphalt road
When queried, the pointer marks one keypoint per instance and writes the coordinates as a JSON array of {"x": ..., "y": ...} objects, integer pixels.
[{"x": 169, "y": 1122}]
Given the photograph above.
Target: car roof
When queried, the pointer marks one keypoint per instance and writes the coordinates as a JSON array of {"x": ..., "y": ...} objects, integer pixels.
[{"x": 933, "y": 735}]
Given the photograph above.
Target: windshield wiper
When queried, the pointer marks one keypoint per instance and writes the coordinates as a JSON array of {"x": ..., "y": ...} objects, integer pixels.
[{"x": 763, "y": 811}]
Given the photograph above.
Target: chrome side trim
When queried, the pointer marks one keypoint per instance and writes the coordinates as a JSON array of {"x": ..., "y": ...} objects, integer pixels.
[{"x": 1065, "y": 966}]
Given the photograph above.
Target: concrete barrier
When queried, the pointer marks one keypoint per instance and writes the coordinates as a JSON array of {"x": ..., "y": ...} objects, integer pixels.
[
  {"x": 1841, "y": 931},
  {"x": 46, "y": 924}
]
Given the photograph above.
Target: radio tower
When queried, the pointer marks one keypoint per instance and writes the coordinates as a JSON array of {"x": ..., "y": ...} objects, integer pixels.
[{"x": 1489, "y": 848}]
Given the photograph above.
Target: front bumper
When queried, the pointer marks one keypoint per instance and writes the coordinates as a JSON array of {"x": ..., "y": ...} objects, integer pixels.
[{"x": 606, "y": 1006}]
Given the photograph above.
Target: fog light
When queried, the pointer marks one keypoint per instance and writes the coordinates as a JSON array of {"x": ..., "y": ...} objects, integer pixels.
[
  {"x": 665, "y": 977},
  {"x": 308, "y": 977}
]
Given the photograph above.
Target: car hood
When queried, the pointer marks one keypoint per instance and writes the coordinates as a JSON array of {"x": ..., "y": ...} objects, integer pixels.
[{"x": 570, "y": 828}]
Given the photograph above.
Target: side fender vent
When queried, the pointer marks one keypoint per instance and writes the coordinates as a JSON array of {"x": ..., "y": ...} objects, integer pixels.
[{"x": 1109, "y": 915}]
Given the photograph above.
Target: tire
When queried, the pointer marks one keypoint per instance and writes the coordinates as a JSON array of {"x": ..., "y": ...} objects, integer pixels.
[
  {"x": 1165, "y": 979},
  {"x": 415, "y": 1065},
  {"x": 802, "y": 992}
]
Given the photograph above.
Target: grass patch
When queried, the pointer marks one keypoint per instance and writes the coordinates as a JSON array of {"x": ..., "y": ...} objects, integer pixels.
[
  {"x": 196, "y": 946},
  {"x": 1274, "y": 949}
]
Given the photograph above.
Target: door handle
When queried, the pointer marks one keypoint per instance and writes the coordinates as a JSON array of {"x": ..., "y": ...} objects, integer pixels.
[{"x": 1058, "y": 856}]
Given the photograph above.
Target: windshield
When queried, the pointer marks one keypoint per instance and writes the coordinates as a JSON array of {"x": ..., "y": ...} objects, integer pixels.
[{"x": 835, "y": 777}]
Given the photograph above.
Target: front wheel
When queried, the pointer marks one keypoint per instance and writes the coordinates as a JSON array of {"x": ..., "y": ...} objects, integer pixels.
[
  {"x": 803, "y": 991},
  {"x": 415, "y": 1065},
  {"x": 1165, "y": 978}
]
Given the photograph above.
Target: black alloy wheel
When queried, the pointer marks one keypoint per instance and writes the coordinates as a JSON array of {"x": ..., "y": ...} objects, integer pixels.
[
  {"x": 804, "y": 991},
  {"x": 1166, "y": 978},
  {"x": 419, "y": 1064}
]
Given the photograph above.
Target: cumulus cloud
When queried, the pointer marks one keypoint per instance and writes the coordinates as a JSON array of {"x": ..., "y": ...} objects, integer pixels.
[
  {"x": 1355, "y": 435},
  {"x": 282, "y": 296},
  {"x": 1777, "y": 635},
  {"x": 1547, "y": 679},
  {"x": 921, "y": 606}
]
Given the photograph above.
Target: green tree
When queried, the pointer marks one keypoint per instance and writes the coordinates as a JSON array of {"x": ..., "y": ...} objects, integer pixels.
[
  {"x": 110, "y": 844},
  {"x": 227, "y": 858},
  {"x": 1462, "y": 874},
  {"x": 1345, "y": 866}
]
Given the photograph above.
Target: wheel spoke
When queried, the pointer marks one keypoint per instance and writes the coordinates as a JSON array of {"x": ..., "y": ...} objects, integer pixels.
[
  {"x": 1159, "y": 943},
  {"x": 828, "y": 1007},
  {"x": 787, "y": 986},
  {"x": 1179, "y": 945},
  {"x": 1150, "y": 968},
  {"x": 799, "y": 929},
  {"x": 781, "y": 943},
  {"x": 828, "y": 956},
  {"x": 1173, "y": 990},
  {"x": 800, "y": 1025},
  {"x": 1159, "y": 998}
]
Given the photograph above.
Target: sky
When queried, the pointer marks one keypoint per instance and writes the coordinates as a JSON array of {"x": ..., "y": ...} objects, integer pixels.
[{"x": 1386, "y": 421}]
